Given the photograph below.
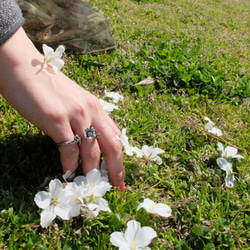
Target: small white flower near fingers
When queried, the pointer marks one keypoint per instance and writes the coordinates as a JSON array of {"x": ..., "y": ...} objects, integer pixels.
[
  {"x": 53, "y": 58},
  {"x": 155, "y": 208},
  {"x": 107, "y": 106},
  {"x": 114, "y": 95},
  {"x": 150, "y": 154},
  {"x": 95, "y": 187},
  {"x": 128, "y": 150},
  {"x": 134, "y": 238},
  {"x": 211, "y": 128},
  {"x": 229, "y": 151}
]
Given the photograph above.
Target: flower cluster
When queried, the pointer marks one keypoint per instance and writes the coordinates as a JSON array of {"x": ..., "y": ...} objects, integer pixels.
[
  {"x": 228, "y": 152},
  {"x": 84, "y": 196},
  {"x": 66, "y": 200}
]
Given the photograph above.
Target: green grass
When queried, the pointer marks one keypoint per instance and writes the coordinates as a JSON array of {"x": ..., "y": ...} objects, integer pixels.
[{"x": 198, "y": 54}]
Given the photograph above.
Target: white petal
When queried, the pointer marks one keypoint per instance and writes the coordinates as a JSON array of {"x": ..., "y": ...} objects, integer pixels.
[
  {"x": 129, "y": 150},
  {"x": 146, "y": 150},
  {"x": 103, "y": 205},
  {"x": 57, "y": 64},
  {"x": 220, "y": 147},
  {"x": 144, "y": 236},
  {"x": 133, "y": 227},
  {"x": 138, "y": 152},
  {"x": 47, "y": 216},
  {"x": 55, "y": 186},
  {"x": 93, "y": 177},
  {"x": 48, "y": 51},
  {"x": 118, "y": 240},
  {"x": 156, "y": 151},
  {"x": 229, "y": 181},
  {"x": 43, "y": 199},
  {"x": 68, "y": 175},
  {"x": 238, "y": 156},
  {"x": 62, "y": 210},
  {"x": 224, "y": 165},
  {"x": 230, "y": 151},
  {"x": 147, "y": 204},
  {"x": 101, "y": 188},
  {"x": 215, "y": 131},
  {"x": 163, "y": 210},
  {"x": 59, "y": 51},
  {"x": 92, "y": 210},
  {"x": 79, "y": 180},
  {"x": 207, "y": 119},
  {"x": 158, "y": 160}
]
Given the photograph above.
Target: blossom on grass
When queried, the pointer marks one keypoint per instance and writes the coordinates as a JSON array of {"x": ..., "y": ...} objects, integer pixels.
[
  {"x": 114, "y": 95},
  {"x": 227, "y": 167},
  {"x": 155, "y": 208},
  {"x": 129, "y": 150},
  {"x": 53, "y": 58},
  {"x": 134, "y": 238},
  {"x": 211, "y": 128},
  {"x": 53, "y": 203},
  {"x": 150, "y": 154},
  {"x": 107, "y": 106},
  {"x": 228, "y": 151}
]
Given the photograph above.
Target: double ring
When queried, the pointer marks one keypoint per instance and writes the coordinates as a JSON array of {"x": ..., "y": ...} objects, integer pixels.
[
  {"x": 77, "y": 139},
  {"x": 90, "y": 133}
]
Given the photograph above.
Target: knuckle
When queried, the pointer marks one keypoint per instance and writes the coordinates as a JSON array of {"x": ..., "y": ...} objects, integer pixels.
[{"x": 115, "y": 148}]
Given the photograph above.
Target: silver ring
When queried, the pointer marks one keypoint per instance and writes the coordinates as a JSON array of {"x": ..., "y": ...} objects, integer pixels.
[
  {"x": 77, "y": 139},
  {"x": 90, "y": 133}
]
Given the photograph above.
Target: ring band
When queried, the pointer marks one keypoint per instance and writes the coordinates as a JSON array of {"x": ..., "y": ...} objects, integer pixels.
[
  {"x": 77, "y": 139},
  {"x": 90, "y": 133}
]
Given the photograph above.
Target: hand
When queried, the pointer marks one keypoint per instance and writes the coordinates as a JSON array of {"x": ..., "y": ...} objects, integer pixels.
[{"x": 60, "y": 107}]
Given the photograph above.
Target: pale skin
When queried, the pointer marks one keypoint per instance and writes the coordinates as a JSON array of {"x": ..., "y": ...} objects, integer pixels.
[{"x": 59, "y": 107}]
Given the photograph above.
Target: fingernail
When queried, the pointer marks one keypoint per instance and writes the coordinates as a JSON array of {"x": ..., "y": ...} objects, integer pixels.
[{"x": 122, "y": 186}]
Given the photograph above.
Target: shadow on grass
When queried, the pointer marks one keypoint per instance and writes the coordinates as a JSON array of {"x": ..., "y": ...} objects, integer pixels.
[{"x": 27, "y": 164}]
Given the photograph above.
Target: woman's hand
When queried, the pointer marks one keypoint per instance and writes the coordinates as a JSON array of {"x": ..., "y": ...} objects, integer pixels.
[{"x": 60, "y": 107}]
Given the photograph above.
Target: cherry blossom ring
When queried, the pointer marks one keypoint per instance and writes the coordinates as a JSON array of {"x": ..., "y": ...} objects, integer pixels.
[
  {"x": 77, "y": 139},
  {"x": 90, "y": 133}
]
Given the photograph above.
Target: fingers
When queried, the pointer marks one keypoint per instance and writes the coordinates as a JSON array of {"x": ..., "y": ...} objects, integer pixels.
[
  {"x": 112, "y": 149},
  {"x": 90, "y": 154},
  {"x": 69, "y": 154}
]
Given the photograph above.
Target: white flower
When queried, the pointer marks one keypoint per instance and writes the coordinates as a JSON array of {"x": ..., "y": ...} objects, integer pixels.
[
  {"x": 53, "y": 203},
  {"x": 228, "y": 151},
  {"x": 75, "y": 198},
  {"x": 155, "y": 208},
  {"x": 115, "y": 96},
  {"x": 134, "y": 238},
  {"x": 53, "y": 58},
  {"x": 211, "y": 128},
  {"x": 129, "y": 150},
  {"x": 95, "y": 187},
  {"x": 107, "y": 106},
  {"x": 227, "y": 167},
  {"x": 150, "y": 153}
]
